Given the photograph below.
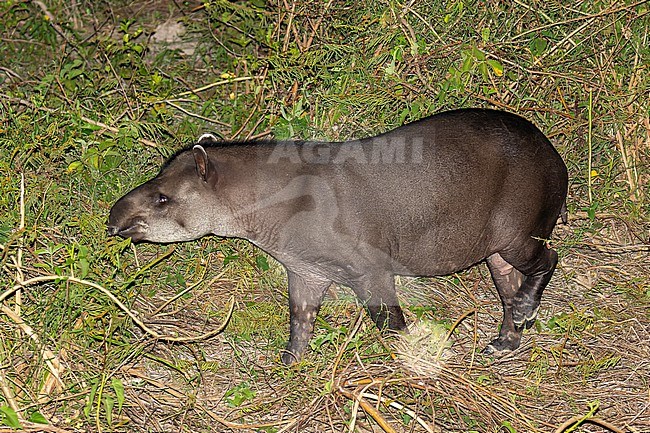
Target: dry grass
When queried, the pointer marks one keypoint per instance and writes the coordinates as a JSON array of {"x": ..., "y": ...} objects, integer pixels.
[{"x": 77, "y": 343}]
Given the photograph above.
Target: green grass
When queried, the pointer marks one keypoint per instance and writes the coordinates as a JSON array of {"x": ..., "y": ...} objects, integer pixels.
[{"x": 91, "y": 106}]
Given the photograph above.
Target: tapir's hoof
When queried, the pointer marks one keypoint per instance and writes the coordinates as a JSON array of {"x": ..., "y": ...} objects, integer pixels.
[
  {"x": 494, "y": 349},
  {"x": 289, "y": 358},
  {"x": 500, "y": 347}
]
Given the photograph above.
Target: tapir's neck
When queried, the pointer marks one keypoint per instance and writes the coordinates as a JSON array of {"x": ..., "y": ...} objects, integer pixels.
[{"x": 262, "y": 199}]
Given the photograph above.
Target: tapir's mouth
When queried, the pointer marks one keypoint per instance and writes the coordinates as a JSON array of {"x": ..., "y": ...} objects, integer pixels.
[{"x": 135, "y": 231}]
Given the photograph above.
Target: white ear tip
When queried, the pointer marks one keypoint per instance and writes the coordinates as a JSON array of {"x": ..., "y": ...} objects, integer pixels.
[
  {"x": 199, "y": 148},
  {"x": 207, "y": 137}
]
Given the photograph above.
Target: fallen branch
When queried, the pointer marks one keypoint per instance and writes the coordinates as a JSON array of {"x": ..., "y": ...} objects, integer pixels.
[
  {"x": 131, "y": 314},
  {"x": 28, "y": 427},
  {"x": 578, "y": 420},
  {"x": 51, "y": 360},
  {"x": 399, "y": 406},
  {"x": 368, "y": 408},
  {"x": 215, "y": 84}
]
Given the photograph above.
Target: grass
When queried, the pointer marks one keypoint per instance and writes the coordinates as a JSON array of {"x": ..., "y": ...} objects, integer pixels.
[{"x": 91, "y": 104}]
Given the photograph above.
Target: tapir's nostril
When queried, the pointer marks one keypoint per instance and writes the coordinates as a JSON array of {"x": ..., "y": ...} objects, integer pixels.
[{"x": 112, "y": 230}]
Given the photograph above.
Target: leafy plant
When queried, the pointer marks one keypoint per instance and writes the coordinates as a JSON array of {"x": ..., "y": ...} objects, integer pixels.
[
  {"x": 9, "y": 417},
  {"x": 239, "y": 394}
]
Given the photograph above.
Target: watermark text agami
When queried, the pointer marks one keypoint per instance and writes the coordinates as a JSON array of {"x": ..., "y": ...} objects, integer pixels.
[{"x": 379, "y": 150}]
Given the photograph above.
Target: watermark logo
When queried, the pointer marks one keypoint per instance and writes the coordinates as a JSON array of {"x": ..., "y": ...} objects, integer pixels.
[{"x": 377, "y": 150}]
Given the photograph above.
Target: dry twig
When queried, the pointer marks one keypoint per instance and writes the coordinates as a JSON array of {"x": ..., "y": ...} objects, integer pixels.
[{"x": 576, "y": 421}]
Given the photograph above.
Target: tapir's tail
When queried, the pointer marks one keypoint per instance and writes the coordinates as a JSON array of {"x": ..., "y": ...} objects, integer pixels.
[{"x": 564, "y": 214}]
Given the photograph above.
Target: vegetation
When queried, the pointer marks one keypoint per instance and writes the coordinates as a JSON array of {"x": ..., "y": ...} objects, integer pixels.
[{"x": 95, "y": 95}]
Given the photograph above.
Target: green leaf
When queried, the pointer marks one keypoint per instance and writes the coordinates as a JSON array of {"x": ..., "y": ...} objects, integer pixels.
[
  {"x": 467, "y": 64},
  {"x": 74, "y": 166},
  {"x": 74, "y": 73},
  {"x": 508, "y": 426},
  {"x": 239, "y": 394},
  {"x": 537, "y": 46},
  {"x": 282, "y": 129},
  {"x": 108, "y": 405},
  {"x": 262, "y": 263},
  {"x": 484, "y": 379},
  {"x": 5, "y": 231},
  {"x": 10, "y": 418},
  {"x": 591, "y": 211},
  {"x": 478, "y": 54},
  {"x": 118, "y": 387},
  {"x": 496, "y": 66},
  {"x": 483, "y": 69},
  {"x": 230, "y": 258},
  {"x": 91, "y": 399},
  {"x": 84, "y": 267},
  {"x": 485, "y": 34},
  {"x": 38, "y": 418}
]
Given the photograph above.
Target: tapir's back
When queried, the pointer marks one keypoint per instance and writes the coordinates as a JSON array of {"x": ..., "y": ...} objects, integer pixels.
[{"x": 479, "y": 178}]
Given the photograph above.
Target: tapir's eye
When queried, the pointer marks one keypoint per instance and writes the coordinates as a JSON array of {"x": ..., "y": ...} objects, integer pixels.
[{"x": 162, "y": 199}]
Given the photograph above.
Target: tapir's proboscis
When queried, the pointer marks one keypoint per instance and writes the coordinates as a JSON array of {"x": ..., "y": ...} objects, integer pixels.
[{"x": 430, "y": 198}]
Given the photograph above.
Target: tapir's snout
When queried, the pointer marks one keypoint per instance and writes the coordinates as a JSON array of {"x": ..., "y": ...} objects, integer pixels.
[
  {"x": 122, "y": 222},
  {"x": 113, "y": 230},
  {"x": 116, "y": 218},
  {"x": 134, "y": 229}
]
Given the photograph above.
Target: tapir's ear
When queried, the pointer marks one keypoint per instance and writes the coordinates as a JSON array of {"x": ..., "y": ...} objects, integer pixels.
[
  {"x": 204, "y": 168},
  {"x": 207, "y": 139}
]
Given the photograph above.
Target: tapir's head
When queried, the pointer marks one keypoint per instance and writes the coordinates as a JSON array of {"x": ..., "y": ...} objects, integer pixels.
[{"x": 175, "y": 206}]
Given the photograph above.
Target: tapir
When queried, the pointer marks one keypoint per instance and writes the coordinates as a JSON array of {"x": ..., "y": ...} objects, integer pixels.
[{"x": 429, "y": 198}]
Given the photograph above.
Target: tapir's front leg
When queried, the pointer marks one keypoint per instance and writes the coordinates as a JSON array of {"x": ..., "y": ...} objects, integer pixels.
[
  {"x": 305, "y": 297},
  {"x": 376, "y": 290}
]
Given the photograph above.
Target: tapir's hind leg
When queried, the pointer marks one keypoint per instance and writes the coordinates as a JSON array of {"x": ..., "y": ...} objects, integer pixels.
[
  {"x": 520, "y": 282},
  {"x": 538, "y": 273},
  {"x": 507, "y": 280}
]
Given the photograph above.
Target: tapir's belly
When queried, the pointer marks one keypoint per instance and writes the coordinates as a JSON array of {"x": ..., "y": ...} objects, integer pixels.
[
  {"x": 425, "y": 240},
  {"x": 349, "y": 249},
  {"x": 428, "y": 257}
]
